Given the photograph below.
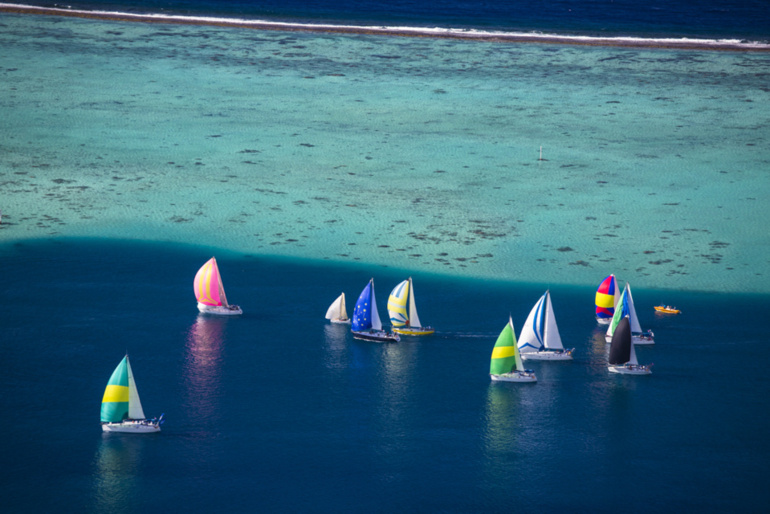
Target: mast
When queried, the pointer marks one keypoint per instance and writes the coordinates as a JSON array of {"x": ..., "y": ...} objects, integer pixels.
[{"x": 413, "y": 320}]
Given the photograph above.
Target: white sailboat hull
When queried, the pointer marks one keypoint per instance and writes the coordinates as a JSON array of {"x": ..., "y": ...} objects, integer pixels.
[
  {"x": 138, "y": 426},
  {"x": 637, "y": 339},
  {"x": 515, "y": 376},
  {"x": 630, "y": 369},
  {"x": 378, "y": 336},
  {"x": 643, "y": 339},
  {"x": 603, "y": 321},
  {"x": 340, "y": 321},
  {"x": 548, "y": 355},
  {"x": 220, "y": 310}
]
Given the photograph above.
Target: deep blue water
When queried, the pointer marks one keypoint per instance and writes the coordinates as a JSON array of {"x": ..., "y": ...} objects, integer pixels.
[
  {"x": 279, "y": 411},
  {"x": 742, "y": 19}
]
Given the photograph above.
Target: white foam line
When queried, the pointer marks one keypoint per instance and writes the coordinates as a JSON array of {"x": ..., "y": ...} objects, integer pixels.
[{"x": 684, "y": 43}]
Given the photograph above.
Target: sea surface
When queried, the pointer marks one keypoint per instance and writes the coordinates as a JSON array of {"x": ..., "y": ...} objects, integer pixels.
[
  {"x": 571, "y": 140},
  {"x": 277, "y": 410}
]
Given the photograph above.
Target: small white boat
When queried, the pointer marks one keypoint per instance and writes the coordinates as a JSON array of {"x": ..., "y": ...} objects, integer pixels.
[
  {"x": 539, "y": 338},
  {"x": 366, "y": 319},
  {"x": 121, "y": 407},
  {"x": 210, "y": 292},
  {"x": 622, "y": 358},
  {"x": 505, "y": 364},
  {"x": 405, "y": 322},
  {"x": 337, "y": 312},
  {"x": 626, "y": 307}
]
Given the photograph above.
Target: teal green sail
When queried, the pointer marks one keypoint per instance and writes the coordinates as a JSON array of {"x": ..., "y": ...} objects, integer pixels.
[
  {"x": 115, "y": 400},
  {"x": 621, "y": 310},
  {"x": 505, "y": 355}
]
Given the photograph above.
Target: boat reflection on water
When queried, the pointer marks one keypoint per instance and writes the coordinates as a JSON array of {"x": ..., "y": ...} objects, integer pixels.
[
  {"x": 336, "y": 346},
  {"x": 118, "y": 469},
  {"x": 502, "y": 429},
  {"x": 598, "y": 348},
  {"x": 203, "y": 366}
]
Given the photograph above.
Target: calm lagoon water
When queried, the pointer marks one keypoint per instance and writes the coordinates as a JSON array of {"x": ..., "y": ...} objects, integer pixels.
[{"x": 413, "y": 152}]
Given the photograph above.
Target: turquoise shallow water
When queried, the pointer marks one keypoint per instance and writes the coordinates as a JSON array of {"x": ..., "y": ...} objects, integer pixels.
[{"x": 413, "y": 153}]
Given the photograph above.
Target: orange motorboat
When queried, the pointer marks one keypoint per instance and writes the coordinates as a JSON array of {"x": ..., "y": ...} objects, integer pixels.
[{"x": 667, "y": 309}]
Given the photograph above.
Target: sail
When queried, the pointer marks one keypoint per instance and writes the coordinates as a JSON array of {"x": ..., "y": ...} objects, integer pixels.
[
  {"x": 134, "y": 404},
  {"x": 632, "y": 354},
  {"x": 362, "y": 313},
  {"x": 365, "y": 315},
  {"x": 337, "y": 308},
  {"x": 116, "y": 396},
  {"x": 207, "y": 284},
  {"x": 620, "y": 312},
  {"x": 505, "y": 355},
  {"x": 531, "y": 337},
  {"x": 397, "y": 305},
  {"x": 551, "y": 336},
  {"x": 621, "y": 346},
  {"x": 222, "y": 295},
  {"x": 376, "y": 323},
  {"x": 636, "y": 328},
  {"x": 606, "y": 296},
  {"x": 413, "y": 319}
]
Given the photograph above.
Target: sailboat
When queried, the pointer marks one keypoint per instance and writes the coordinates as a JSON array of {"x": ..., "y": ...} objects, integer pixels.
[
  {"x": 403, "y": 322},
  {"x": 622, "y": 357},
  {"x": 506, "y": 364},
  {"x": 539, "y": 338},
  {"x": 121, "y": 407},
  {"x": 606, "y": 300},
  {"x": 366, "y": 318},
  {"x": 626, "y": 307},
  {"x": 210, "y": 292},
  {"x": 337, "y": 312}
]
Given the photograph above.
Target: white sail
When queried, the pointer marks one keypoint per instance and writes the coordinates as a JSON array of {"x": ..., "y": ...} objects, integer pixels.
[
  {"x": 222, "y": 294},
  {"x": 551, "y": 336},
  {"x": 414, "y": 321},
  {"x": 134, "y": 404},
  {"x": 343, "y": 314},
  {"x": 336, "y": 308},
  {"x": 376, "y": 323},
  {"x": 519, "y": 363},
  {"x": 531, "y": 339},
  {"x": 636, "y": 328},
  {"x": 632, "y": 359}
]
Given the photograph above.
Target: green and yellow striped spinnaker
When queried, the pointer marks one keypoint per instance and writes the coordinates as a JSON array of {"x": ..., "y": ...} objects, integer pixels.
[
  {"x": 115, "y": 401},
  {"x": 505, "y": 354}
]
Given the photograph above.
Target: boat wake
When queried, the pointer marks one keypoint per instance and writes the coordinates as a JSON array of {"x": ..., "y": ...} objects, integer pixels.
[{"x": 437, "y": 32}]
